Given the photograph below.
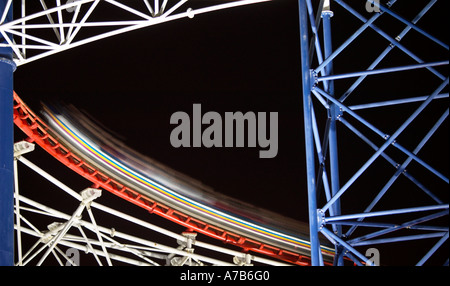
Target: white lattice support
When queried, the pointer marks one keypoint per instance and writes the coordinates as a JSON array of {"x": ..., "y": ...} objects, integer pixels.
[
  {"x": 45, "y": 29},
  {"x": 112, "y": 243}
]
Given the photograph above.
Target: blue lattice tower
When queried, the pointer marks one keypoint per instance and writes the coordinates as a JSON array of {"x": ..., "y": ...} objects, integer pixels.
[{"x": 375, "y": 93}]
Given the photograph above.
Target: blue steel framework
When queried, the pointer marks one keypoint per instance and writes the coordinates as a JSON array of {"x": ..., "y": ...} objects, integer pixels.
[{"x": 340, "y": 214}]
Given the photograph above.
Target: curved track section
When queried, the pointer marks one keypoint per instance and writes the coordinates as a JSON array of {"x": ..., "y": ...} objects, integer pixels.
[{"x": 147, "y": 184}]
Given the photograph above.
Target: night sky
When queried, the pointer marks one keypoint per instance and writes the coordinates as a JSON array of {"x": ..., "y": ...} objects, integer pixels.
[{"x": 239, "y": 59}]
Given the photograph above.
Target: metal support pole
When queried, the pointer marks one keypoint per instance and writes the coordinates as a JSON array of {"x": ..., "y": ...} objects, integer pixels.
[
  {"x": 309, "y": 136},
  {"x": 334, "y": 113},
  {"x": 7, "y": 68}
]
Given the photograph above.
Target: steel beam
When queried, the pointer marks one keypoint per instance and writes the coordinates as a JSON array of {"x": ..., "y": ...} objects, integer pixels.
[{"x": 7, "y": 68}]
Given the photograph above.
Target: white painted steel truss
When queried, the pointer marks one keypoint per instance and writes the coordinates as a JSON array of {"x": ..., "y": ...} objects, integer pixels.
[
  {"x": 47, "y": 27},
  {"x": 68, "y": 236}
]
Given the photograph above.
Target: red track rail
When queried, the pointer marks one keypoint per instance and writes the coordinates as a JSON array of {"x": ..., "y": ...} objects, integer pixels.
[{"x": 38, "y": 132}]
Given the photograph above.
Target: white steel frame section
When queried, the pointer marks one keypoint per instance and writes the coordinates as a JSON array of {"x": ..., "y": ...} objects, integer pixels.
[
  {"x": 108, "y": 242},
  {"x": 29, "y": 38}
]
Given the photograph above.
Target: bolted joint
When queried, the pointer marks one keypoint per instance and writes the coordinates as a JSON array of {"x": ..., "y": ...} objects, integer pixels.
[
  {"x": 190, "y": 13},
  {"x": 327, "y": 13},
  {"x": 320, "y": 219},
  {"x": 245, "y": 260},
  {"x": 53, "y": 229},
  {"x": 90, "y": 194},
  {"x": 190, "y": 240},
  {"x": 314, "y": 79},
  {"x": 22, "y": 147}
]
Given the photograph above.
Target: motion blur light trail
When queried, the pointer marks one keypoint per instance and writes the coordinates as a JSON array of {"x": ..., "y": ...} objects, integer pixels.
[{"x": 95, "y": 155}]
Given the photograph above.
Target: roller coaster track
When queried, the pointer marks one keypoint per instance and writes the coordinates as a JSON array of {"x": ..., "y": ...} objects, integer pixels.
[{"x": 40, "y": 133}]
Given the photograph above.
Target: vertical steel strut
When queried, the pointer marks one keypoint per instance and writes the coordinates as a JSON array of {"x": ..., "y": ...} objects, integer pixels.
[
  {"x": 333, "y": 114},
  {"x": 309, "y": 142},
  {"x": 7, "y": 68}
]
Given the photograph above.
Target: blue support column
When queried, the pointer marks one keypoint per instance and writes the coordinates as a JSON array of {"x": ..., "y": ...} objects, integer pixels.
[
  {"x": 334, "y": 112},
  {"x": 309, "y": 139},
  {"x": 7, "y": 68}
]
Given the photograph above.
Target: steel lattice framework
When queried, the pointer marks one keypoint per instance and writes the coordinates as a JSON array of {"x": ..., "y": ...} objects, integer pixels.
[
  {"x": 365, "y": 205},
  {"x": 48, "y": 27}
]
